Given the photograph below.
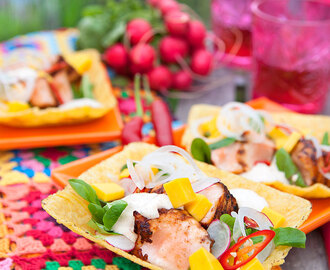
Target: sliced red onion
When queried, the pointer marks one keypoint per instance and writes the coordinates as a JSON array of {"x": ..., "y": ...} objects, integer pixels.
[
  {"x": 239, "y": 115},
  {"x": 204, "y": 183},
  {"x": 128, "y": 185},
  {"x": 316, "y": 145},
  {"x": 135, "y": 177},
  {"x": 263, "y": 254},
  {"x": 121, "y": 242},
  {"x": 172, "y": 148},
  {"x": 220, "y": 233},
  {"x": 260, "y": 218}
]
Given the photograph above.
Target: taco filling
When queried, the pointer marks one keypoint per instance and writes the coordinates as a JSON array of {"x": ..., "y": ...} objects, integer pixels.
[
  {"x": 164, "y": 210},
  {"x": 245, "y": 141},
  {"x": 62, "y": 82}
]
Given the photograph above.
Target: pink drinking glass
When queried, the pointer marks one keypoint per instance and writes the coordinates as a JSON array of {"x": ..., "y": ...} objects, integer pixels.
[
  {"x": 231, "y": 22},
  {"x": 291, "y": 52}
]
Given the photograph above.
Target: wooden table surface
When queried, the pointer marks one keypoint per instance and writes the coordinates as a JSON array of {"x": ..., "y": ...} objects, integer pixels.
[{"x": 314, "y": 255}]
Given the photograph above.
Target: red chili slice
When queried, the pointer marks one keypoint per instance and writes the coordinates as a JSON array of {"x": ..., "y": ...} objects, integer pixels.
[{"x": 240, "y": 259}]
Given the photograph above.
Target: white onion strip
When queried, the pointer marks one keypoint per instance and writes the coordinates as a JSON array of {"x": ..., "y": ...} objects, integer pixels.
[
  {"x": 121, "y": 242},
  {"x": 135, "y": 177}
]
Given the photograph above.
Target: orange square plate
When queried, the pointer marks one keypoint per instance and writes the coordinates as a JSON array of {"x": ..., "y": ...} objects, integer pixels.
[
  {"x": 319, "y": 216},
  {"x": 106, "y": 128}
]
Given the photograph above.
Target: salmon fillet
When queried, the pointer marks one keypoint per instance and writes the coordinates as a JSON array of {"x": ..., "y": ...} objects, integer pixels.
[
  {"x": 240, "y": 157},
  {"x": 169, "y": 240},
  {"x": 42, "y": 95},
  {"x": 222, "y": 202}
]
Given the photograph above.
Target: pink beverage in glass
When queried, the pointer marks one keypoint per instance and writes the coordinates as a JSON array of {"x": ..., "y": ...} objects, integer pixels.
[
  {"x": 231, "y": 18},
  {"x": 291, "y": 51}
]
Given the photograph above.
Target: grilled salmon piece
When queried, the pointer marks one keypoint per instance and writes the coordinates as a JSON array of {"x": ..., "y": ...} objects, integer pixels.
[
  {"x": 304, "y": 157},
  {"x": 42, "y": 95},
  {"x": 222, "y": 202},
  {"x": 62, "y": 88},
  {"x": 240, "y": 157},
  {"x": 169, "y": 240}
]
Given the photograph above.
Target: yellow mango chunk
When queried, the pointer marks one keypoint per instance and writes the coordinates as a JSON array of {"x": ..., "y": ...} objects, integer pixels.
[
  {"x": 210, "y": 127},
  {"x": 292, "y": 141},
  {"x": 204, "y": 260},
  {"x": 276, "y": 218},
  {"x": 199, "y": 207},
  {"x": 81, "y": 63},
  {"x": 278, "y": 136},
  {"x": 17, "y": 106},
  {"x": 254, "y": 264},
  {"x": 124, "y": 174},
  {"x": 154, "y": 170},
  {"x": 108, "y": 191},
  {"x": 180, "y": 192}
]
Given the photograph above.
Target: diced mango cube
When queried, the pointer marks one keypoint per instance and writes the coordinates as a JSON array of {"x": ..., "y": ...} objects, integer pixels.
[
  {"x": 204, "y": 260},
  {"x": 279, "y": 137},
  {"x": 276, "y": 218},
  {"x": 17, "y": 106},
  {"x": 292, "y": 141},
  {"x": 254, "y": 264},
  {"x": 124, "y": 173},
  {"x": 199, "y": 207},
  {"x": 180, "y": 192},
  {"x": 81, "y": 63},
  {"x": 210, "y": 127},
  {"x": 108, "y": 191}
]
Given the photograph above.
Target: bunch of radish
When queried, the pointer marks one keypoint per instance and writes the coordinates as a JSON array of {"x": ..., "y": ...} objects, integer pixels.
[{"x": 178, "y": 58}]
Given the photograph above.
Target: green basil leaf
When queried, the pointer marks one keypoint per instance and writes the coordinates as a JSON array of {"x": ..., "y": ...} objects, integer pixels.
[
  {"x": 100, "y": 228},
  {"x": 86, "y": 87},
  {"x": 84, "y": 190},
  {"x": 97, "y": 212},
  {"x": 291, "y": 237},
  {"x": 325, "y": 139},
  {"x": 200, "y": 150},
  {"x": 92, "y": 10},
  {"x": 222, "y": 143},
  {"x": 229, "y": 220},
  {"x": 113, "y": 212},
  {"x": 285, "y": 164}
]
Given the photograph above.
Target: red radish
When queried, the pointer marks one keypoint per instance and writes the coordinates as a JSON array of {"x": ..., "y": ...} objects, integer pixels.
[
  {"x": 138, "y": 29},
  {"x": 160, "y": 78},
  {"x": 142, "y": 57},
  {"x": 201, "y": 62},
  {"x": 177, "y": 23},
  {"x": 182, "y": 80},
  {"x": 154, "y": 3},
  {"x": 172, "y": 48},
  {"x": 116, "y": 56},
  {"x": 166, "y": 6},
  {"x": 196, "y": 34}
]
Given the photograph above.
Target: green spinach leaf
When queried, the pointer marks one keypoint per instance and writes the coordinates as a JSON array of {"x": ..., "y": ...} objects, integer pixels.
[
  {"x": 86, "y": 87},
  {"x": 97, "y": 212},
  {"x": 285, "y": 164},
  {"x": 222, "y": 143},
  {"x": 287, "y": 236},
  {"x": 113, "y": 212},
  {"x": 100, "y": 228},
  {"x": 200, "y": 150},
  {"x": 325, "y": 139},
  {"x": 84, "y": 190}
]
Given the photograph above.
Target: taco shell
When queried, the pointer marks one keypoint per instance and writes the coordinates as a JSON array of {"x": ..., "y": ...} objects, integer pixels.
[
  {"x": 34, "y": 116},
  {"x": 315, "y": 125},
  {"x": 71, "y": 210}
]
